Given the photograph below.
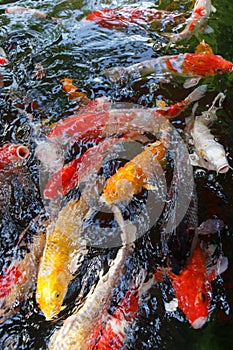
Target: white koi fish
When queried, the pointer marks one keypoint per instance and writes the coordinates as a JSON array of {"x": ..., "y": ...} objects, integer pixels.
[{"x": 208, "y": 153}]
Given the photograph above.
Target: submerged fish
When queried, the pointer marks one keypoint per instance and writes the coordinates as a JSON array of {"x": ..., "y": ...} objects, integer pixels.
[
  {"x": 187, "y": 65},
  {"x": 20, "y": 10},
  {"x": 137, "y": 173},
  {"x": 13, "y": 154},
  {"x": 123, "y": 17},
  {"x": 76, "y": 329},
  {"x": 208, "y": 153},
  {"x": 109, "y": 333},
  {"x": 90, "y": 126},
  {"x": 196, "y": 22},
  {"x": 55, "y": 269},
  {"x": 192, "y": 286},
  {"x": 19, "y": 278},
  {"x": 79, "y": 169}
]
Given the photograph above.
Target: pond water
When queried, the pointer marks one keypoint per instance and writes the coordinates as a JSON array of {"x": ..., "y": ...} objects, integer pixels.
[{"x": 30, "y": 104}]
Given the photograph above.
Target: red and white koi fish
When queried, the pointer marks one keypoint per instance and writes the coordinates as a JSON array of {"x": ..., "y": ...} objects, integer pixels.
[
  {"x": 109, "y": 333},
  {"x": 20, "y": 10},
  {"x": 123, "y": 17},
  {"x": 18, "y": 280},
  {"x": 188, "y": 65},
  {"x": 76, "y": 328},
  {"x": 192, "y": 286},
  {"x": 90, "y": 126},
  {"x": 13, "y": 154},
  {"x": 196, "y": 22},
  {"x": 77, "y": 170},
  {"x": 208, "y": 153}
]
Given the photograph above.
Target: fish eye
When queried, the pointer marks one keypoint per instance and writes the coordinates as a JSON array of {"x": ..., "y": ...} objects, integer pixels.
[
  {"x": 202, "y": 296},
  {"x": 56, "y": 294}
]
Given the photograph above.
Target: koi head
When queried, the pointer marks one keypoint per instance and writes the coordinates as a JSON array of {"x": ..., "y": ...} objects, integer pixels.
[
  {"x": 206, "y": 65},
  {"x": 51, "y": 291}
]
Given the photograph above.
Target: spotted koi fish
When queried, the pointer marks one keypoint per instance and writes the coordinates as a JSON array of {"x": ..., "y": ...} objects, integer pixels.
[
  {"x": 188, "y": 65},
  {"x": 12, "y": 154},
  {"x": 123, "y": 17},
  {"x": 196, "y": 22}
]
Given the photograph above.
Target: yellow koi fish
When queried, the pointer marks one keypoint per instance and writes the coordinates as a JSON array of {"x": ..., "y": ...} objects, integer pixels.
[{"x": 55, "y": 270}]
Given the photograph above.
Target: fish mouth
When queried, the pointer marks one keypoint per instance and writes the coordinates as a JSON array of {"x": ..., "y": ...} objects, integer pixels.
[
  {"x": 22, "y": 152},
  {"x": 223, "y": 169},
  {"x": 199, "y": 322}
]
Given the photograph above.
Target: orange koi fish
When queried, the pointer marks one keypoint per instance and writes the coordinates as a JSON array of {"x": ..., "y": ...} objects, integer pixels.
[
  {"x": 196, "y": 22},
  {"x": 130, "y": 179},
  {"x": 192, "y": 286},
  {"x": 90, "y": 126},
  {"x": 188, "y": 65},
  {"x": 123, "y": 17},
  {"x": 20, "y": 10},
  {"x": 17, "y": 281},
  {"x": 12, "y": 154}
]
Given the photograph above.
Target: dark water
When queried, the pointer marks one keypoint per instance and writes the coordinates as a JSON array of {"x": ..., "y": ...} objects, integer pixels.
[{"x": 80, "y": 50}]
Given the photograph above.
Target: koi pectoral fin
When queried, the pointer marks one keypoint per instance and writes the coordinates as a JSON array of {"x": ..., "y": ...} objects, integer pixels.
[
  {"x": 208, "y": 30},
  {"x": 191, "y": 82}
]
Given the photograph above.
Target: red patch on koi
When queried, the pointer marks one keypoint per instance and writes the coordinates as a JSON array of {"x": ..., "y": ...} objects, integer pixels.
[
  {"x": 11, "y": 277},
  {"x": 205, "y": 65},
  {"x": 3, "y": 61}
]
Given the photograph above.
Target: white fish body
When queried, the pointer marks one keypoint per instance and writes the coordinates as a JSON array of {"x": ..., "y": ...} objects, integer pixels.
[
  {"x": 209, "y": 154},
  {"x": 76, "y": 328}
]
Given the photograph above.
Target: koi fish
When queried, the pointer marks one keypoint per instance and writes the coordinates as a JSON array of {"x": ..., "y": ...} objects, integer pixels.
[
  {"x": 55, "y": 268},
  {"x": 196, "y": 22},
  {"x": 109, "y": 333},
  {"x": 69, "y": 176},
  {"x": 208, "y": 153},
  {"x": 99, "y": 124},
  {"x": 12, "y": 154},
  {"x": 188, "y": 65},
  {"x": 20, "y": 10},
  {"x": 76, "y": 328},
  {"x": 130, "y": 179},
  {"x": 18, "y": 279},
  {"x": 123, "y": 17},
  {"x": 77, "y": 170},
  {"x": 192, "y": 286}
]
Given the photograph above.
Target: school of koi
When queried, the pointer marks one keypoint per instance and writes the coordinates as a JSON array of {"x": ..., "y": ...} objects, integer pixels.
[{"x": 53, "y": 258}]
